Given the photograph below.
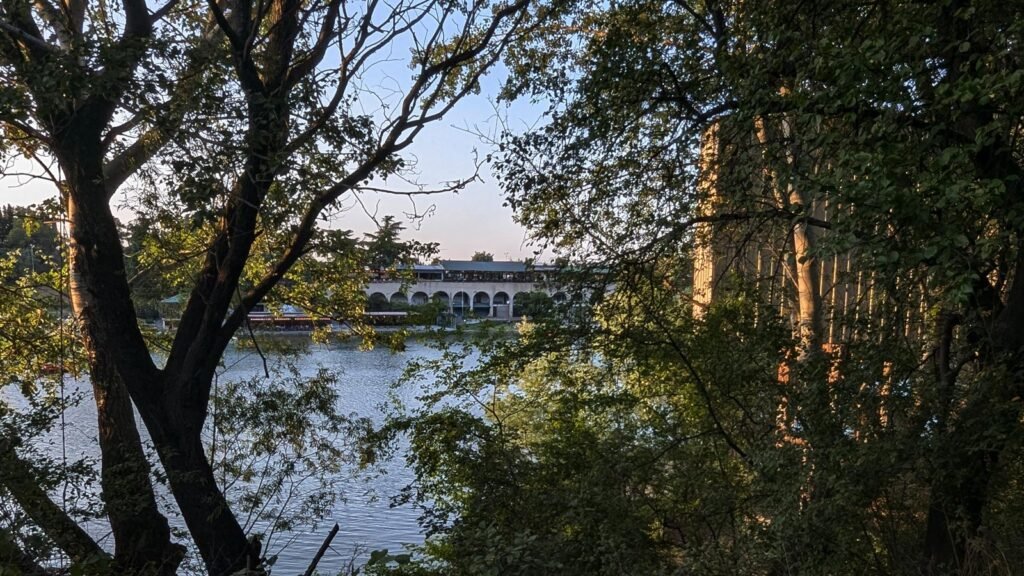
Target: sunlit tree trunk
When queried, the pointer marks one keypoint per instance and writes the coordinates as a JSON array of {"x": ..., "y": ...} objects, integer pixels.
[
  {"x": 790, "y": 197},
  {"x": 141, "y": 533}
]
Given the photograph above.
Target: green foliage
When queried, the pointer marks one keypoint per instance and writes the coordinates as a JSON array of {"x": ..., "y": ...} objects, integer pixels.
[
  {"x": 892, "y": 131},
  {"x": 279, "y": 443},
  {"x": 544, "y": 461},
  {"x": 382, "y": 563},
  {"x": 534, "y": 305},
  {"x": 385, "y": 252},
  {"x": 38, "y": 356},
  {"x": 32, "y": 233}
]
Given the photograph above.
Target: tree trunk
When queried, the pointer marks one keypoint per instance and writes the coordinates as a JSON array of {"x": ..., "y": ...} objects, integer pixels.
[
  {"x": 217, "y": 534},
  {"x": 808, "y": 293},
  {"x": 962, "y": 489},
  {"x": 974, "y": 446},
  {"x": 121, "y": 366},
  {"x": 19, "y": 479},
  {"x": 142, "y": 543},
  {"x": 789, "y": 197}
]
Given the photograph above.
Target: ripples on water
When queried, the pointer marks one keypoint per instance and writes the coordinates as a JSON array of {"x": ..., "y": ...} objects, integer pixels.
[
  {"x": 367, "y": 520},
  {"x": 364, "y": 513}
]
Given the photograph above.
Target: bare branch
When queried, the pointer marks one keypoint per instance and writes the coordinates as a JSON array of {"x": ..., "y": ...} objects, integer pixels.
[
  {"x": 389, "y": 145},
  {"x": 56, "y": 20},
  {"x": 32, "y": 42},
  {"x": 225, "y": 26},
  {"x": 75, "y": 12},
  {"x": 28, "y": 130},
  {"x": 253, "y": 27},
  {"x": 163, "y": 11}
]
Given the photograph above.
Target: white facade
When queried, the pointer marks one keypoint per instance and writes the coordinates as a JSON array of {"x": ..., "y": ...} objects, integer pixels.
[{"x": 485, "y": 299}]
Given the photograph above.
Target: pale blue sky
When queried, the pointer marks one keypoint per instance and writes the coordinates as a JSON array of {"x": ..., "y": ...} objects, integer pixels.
[
  {"x": 462, "y": 223},
  {"x": 473, "y": 219}
]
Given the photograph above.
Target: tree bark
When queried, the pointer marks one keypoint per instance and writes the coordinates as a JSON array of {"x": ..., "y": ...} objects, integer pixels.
[
  {"x": 173, "y": 413},
  {"x": 142, "y": 543},
  {"x": 976, "y": 440},
  {"x": 221, "y": 541},
  {"x": 789, "y": 197},
  {"x": 18, "y": 478},
  {"x": 172, "y": 406}
]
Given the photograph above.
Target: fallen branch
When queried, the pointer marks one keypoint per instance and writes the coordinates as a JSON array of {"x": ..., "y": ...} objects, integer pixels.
[{"x": 323, "y": 549}]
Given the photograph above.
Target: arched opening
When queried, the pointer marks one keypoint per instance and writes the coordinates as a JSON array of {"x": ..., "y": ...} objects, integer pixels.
[
  {"x": 378, "y": 302},
  {"x": 560, "y": 298},
  {"x": 420, "y": 298},
  {"x": 460, "y": 303},
  {"x": 399, "y": 300},
  {"x": 441, "y": 298},
  {"x": 518, "y": 300},
  {"x": 501, "y": 302},
  {"x": 533, "y": 304},
  {"x": 482, "y": 304}
]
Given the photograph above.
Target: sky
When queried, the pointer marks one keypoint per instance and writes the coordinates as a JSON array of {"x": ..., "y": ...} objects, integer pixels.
[
  {"x": 461, "y": 223},
  {"x": 475, "y": 218}
]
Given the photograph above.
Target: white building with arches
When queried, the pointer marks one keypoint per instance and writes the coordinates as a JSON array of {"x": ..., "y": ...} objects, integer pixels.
[{"x": 485, "y": 289}]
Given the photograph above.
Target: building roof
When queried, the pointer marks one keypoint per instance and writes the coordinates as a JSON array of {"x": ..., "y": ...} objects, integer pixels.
[
  {"x": 474, "y": 266},
  {"x": 500, "y": 266},
  {"x": 424, "y": 267}
]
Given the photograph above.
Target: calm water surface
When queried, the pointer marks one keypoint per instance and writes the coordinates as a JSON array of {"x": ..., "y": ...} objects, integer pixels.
[{"x": 364, "y": 513}]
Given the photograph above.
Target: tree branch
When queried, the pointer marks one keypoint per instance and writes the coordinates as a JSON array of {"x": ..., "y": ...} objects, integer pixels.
[
  {"x": 389, "y": 145},
  {"x": 16, "y": 475},
  {"x": 34, "y": 43},
  {"x": 225, "y": 26},
  {"x": 307, "y": 63},
  {"x": 75, "y": 12},
  {"x": 137, "y": 21},
  {"x": 56, "y": 20},
  {"x": 163, "y": 11},
  {"x": 128, "y": 161}
]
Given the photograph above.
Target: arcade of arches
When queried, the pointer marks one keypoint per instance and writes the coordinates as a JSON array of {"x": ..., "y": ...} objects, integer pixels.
[{"x": 479, "y": 303}]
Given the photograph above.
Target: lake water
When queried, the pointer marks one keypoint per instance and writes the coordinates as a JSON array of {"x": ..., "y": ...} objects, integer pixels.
[{"x": 366, "y": 518}]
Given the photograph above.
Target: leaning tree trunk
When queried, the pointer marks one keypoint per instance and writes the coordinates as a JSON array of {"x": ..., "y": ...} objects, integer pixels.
[
  {"x": 142, "y": 543},
  {"x": 221, "y": 540}
]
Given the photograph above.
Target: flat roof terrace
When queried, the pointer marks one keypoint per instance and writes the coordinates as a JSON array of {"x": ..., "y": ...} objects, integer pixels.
[{"x": 473, "y": 271}]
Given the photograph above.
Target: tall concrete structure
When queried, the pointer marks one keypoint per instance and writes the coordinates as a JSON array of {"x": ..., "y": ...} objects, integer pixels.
[{"x": 777, "y": 241}]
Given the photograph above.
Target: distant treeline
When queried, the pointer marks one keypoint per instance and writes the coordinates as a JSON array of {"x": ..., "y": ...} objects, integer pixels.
[{"x": 32, "y": 233}]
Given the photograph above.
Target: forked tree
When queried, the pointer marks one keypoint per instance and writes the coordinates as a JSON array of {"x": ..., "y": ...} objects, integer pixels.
[{"x": 255, "y": 118}]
